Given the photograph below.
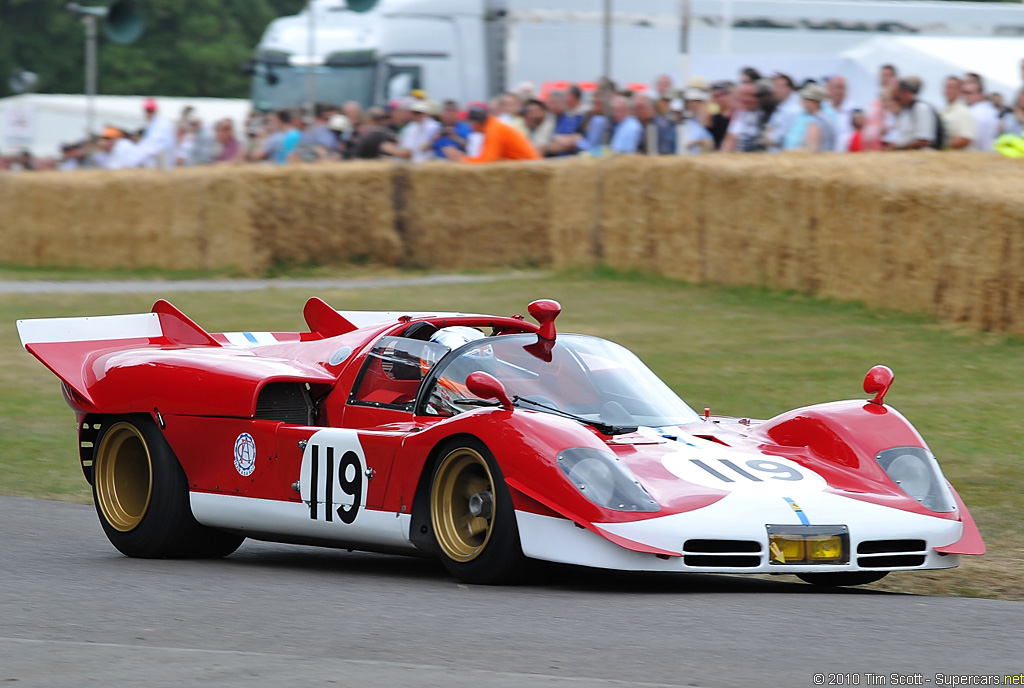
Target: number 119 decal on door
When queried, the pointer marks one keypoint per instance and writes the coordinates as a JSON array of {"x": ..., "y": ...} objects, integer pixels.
[{"x": 331, "y": 480}]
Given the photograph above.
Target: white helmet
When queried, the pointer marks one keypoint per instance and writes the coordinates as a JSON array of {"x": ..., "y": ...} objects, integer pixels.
[{"x": 455, "y": 336}]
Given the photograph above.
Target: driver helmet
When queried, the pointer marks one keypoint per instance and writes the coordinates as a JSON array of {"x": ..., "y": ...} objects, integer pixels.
[
  {"x": 455, "y": 336},
  {"x": 451, "y": 338}
]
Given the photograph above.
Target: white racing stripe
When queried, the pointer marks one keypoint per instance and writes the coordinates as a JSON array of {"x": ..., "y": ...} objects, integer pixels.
[
  {"x": 90, "y": 329},
  {"x": 250, "y": 339},
  {"x": 269, "y": 516}
]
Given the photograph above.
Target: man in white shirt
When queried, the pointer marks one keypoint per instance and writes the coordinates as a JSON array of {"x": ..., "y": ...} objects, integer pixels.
[
  {"x": 957, "y": 120},
  {"x": 917, "y": 121},
  {"x": 418, "y": 135},
  {"x": 156, "y": 149},
  {"x": 986, "y": 117},
  {"x": 789, "y": 107},
  {"x": 117, "y": 151},
  {"x": 842, "y": 112}
]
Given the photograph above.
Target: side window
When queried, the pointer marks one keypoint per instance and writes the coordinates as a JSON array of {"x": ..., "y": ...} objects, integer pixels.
[
  {"x": 402, "y": 80},
  {"x": 393, "y": 372}
]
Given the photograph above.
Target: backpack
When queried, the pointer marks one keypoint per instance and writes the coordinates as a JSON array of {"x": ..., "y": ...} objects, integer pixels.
[{"x": 940, "y": 128}]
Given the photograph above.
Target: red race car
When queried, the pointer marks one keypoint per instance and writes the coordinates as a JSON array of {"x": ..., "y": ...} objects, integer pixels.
[{"x": 484, "y": 441}]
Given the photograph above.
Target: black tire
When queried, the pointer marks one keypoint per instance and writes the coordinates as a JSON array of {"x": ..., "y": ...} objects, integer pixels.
[
  {"x": 492, "y": 554},
  {"x": 843, "y": 579},
  {"x": 141, "y": 496}
]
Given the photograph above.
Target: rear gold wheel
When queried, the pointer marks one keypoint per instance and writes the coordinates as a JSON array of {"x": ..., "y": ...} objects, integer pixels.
[
  {"x": 142, "y": 497},
  {"x": 123, "y": 472},
  {"x": 462, "y": 504}
]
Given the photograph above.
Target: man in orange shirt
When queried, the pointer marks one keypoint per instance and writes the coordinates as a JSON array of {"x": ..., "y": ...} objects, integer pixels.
[{"x": 501, "y": 141}]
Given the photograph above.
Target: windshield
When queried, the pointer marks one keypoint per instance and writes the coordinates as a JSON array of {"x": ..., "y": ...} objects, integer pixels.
[
  {"x": 333, "y": 84},
  {"x": 585, "y": 376}
]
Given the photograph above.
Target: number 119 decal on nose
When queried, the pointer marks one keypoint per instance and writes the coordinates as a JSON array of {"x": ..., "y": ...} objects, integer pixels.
[
  {"x": 711, "y": 465},
  {"x": 331, "y": 479}
]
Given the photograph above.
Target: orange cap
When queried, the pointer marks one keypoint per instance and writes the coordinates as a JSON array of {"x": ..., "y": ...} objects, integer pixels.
[{"x": 112, "y": 133}]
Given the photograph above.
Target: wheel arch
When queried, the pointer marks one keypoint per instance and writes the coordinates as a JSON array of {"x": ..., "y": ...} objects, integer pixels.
[
  {"x": 89, "y": 434},
  {"x": 420, "y": 529}
]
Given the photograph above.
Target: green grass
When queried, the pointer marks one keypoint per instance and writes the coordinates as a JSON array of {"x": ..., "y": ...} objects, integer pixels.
[{"x": 743, "y": 352}]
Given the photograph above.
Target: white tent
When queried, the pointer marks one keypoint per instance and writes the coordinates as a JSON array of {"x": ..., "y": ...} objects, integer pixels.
[
  {"x": 41, "y": 123},
  {"x": 933, "y": 58}
]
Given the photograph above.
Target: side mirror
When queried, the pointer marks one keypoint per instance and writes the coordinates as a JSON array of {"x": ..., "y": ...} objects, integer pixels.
[
  {"x": 877, "y": 382},
  {"x": 487, "y": 386}
]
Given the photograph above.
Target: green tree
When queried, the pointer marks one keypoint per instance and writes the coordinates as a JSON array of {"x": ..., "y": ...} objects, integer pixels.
[{"x": 189, "y": 47}]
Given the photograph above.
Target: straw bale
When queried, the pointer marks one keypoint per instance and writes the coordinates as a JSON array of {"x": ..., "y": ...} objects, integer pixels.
[
  {"x": 324, "y": 214},
  {"x": 467, "y": 216},
  {"x": 675, "y": 219},
  {"x": 624, "y": 213},
  {"x": 575, "y": 205}
]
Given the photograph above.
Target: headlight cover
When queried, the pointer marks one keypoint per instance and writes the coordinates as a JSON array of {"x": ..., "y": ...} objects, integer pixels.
[
  {"x": 917, "y": 473},
  {"x": 603, "y": 479}
]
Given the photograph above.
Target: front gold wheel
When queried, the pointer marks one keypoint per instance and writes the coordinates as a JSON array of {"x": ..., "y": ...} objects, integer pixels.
[
  {"x": 462, "y": 504},
  {"x": 123, "y": 476}
]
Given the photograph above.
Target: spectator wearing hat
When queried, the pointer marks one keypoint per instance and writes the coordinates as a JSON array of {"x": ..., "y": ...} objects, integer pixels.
[
  {"x": 117, "y": 151},
  {"x": 500, "y": 141},
  {"x": 159, "y": 139},
  {"x": 917, "y": 121},
  {"x": 417, "y": 137},
  {"x": 693, "y": 138},
  {"x": 819, "y": 133}
]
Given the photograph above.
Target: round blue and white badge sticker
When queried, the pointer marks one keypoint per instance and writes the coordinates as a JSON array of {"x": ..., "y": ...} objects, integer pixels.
[{"x": 245, "y": 454}]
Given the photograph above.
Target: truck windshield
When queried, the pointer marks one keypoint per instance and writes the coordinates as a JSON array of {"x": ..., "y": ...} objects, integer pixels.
[{"x": 334, "y": 84}]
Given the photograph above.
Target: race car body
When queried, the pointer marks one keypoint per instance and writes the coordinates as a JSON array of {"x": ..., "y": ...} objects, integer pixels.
[{"x": 417, "y": 433}]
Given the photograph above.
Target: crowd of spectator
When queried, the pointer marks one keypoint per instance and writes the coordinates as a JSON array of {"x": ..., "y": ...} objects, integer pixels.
[{"x": 754, "y": 113}]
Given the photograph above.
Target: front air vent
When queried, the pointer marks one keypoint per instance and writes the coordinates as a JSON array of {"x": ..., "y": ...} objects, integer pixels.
[
  {"x": 729, "y": 554},
  {"x": 287, "y": 402},
  {"x": 891, "y": 561},
  {"x": 721, "y": 546},
  {"x": 728, "y": 561},
  {"x": 887, "y": 546}
]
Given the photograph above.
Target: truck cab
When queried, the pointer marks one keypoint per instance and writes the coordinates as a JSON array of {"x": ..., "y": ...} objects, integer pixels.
[{"x": 372, "y": 57}]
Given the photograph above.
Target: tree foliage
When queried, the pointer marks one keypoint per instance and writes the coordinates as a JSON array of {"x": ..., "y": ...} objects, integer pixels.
[{"x": 189, "y": 48}]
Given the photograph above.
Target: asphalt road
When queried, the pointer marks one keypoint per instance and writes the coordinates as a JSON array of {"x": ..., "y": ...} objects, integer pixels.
[{"x": 74, "y": 612}]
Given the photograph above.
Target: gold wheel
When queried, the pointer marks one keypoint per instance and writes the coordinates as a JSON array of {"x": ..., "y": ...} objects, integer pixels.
[
  {"x": 123, "y": 474},
  {"x": 462, "y": 504}
]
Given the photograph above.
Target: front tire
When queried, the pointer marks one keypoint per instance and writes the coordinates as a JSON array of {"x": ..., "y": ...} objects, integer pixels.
[
  {"x": 472, "y": 517},
  {"x": 141, "y": 496},
  {"x": 842, "y": 578}
]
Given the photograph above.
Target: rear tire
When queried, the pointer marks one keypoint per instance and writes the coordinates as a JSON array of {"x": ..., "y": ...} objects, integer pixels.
[
  {"x": 478, "y": 548},
  {"x": 842, "y": 578},
  {"x": 141, "y": 496}
]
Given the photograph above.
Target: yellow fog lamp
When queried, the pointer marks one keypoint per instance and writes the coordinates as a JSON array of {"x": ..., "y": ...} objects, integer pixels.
[
  {"x": 801, "y": 545},
  {"x": 786, "y": 549},
  {"x": 824, "y": 548}
]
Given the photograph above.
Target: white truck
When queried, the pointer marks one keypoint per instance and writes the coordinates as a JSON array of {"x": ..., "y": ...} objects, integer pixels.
[{"x": 472, "y": 49}]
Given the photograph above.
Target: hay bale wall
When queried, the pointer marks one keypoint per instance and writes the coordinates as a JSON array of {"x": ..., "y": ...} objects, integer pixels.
[{"x": 931, "y": 232}]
